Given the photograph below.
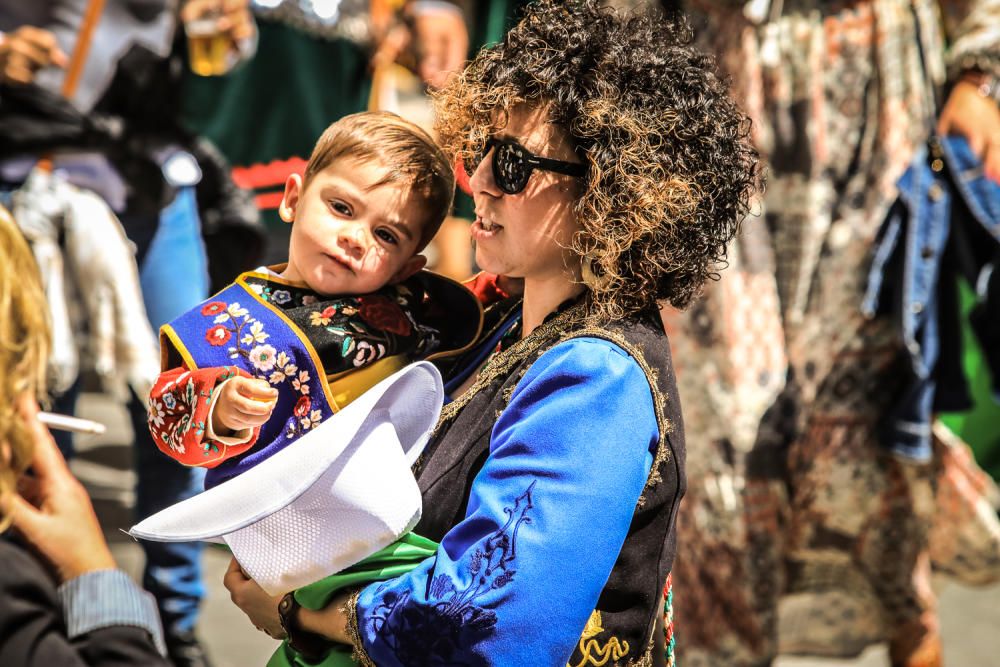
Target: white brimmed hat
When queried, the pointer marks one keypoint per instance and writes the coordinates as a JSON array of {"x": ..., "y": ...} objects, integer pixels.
[{"x": 328, "y": 500}]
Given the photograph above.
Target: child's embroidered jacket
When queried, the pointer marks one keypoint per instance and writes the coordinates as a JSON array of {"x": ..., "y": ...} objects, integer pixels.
[{"x": 318, "y": 352}]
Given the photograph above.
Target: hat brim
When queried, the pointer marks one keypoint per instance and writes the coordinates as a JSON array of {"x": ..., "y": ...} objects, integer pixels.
[{"x": 410, "y": 400}]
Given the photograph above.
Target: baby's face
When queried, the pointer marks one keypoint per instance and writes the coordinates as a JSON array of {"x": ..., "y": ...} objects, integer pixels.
[{"x": 351, "y": 235}]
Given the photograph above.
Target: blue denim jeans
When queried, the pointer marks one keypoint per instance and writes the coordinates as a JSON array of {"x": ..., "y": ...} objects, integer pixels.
[{"x": 174, "y": 278}]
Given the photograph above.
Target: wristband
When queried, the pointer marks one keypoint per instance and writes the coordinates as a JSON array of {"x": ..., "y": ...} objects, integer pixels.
[{"x": 310, "y": 645}]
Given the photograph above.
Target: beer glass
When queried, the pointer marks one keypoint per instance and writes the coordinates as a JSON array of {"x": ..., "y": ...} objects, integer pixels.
[{"x": 208, "y": 48}]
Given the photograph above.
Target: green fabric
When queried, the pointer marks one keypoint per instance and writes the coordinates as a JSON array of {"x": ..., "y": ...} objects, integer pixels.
[
  {"x": 492, "y": 22},
  {"x": 398, "y": 558},
  {"x": 980, "y": 426}
]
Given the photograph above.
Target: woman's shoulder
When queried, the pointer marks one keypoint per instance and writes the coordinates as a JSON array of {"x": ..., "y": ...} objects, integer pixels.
[
  {"x": 616, "y": 364},
  {"x": 589, "y": 349},
  {"x": 640, "y": 340},
  {"x": 592, "y": 359}
]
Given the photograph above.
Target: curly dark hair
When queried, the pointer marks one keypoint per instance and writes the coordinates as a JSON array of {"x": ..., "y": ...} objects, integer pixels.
[{"x": 671, "y": 166}]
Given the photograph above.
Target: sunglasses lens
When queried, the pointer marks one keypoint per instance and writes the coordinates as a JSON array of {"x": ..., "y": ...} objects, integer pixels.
[{"x": 510, "y": 168}]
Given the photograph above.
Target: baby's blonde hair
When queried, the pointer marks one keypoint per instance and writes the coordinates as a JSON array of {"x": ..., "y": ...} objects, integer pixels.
[{"x": 24, "y": 349}]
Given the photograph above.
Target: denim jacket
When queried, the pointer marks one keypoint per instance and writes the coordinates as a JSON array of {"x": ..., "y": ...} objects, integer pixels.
[{"x": 945, "y": 223}]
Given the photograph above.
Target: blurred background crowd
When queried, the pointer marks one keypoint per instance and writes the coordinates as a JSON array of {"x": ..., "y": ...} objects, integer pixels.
[{"x": 838, "y": 380}]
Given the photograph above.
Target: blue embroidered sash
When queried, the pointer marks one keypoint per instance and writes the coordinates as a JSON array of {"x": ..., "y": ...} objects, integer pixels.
[{"x": 237, "y": 328}]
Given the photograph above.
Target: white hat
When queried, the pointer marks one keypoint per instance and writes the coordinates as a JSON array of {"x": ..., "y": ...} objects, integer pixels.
[{"x": 328, "y": 500}]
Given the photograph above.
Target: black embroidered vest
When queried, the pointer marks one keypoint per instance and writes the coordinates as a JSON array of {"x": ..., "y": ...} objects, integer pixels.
[{"x": 627, "y": 627}]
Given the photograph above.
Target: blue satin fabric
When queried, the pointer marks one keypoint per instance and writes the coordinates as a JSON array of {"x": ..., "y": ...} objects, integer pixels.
[{"x": 515, "y": 582}]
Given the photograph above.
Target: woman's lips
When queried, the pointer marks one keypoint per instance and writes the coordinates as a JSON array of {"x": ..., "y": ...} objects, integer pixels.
[{"x": 484, "y": 229}]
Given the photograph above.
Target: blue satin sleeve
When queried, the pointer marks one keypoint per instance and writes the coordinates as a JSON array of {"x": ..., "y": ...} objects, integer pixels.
[{"x": 516, "y": 580}]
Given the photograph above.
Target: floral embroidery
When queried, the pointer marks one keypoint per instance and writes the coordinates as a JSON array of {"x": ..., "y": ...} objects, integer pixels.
[
  {"x": 302, "y": 406},
  {"x": 218, "y": 335},
  {"x": 189, "y": 391},
  {"x": 366, "y": 353},
  {"x": 263, "y": 357},
  {"x": 312, "y": 421},
  {"x": 178, "y": 409},
  {"x": 318, "y": 319},
  {"x": 213, "y": 308},
  {"x": 336, "y": 326},
  {"x": 384, "y": 313},
  {"x": 272, "y": 365},
  {"x": 283, "y": 370},
  {"x": 177, "y": 437},
  {"x": 348, "y": 332},
  {"x": 432, "y": 633},
  {"x": 234, "y": 311},
  {"x": 185, "y": 397},
  {"x": 155, "y": 412},
  {"x": 301, "y": 383},
  {"x": 255, "y": 335},
  {"x": 591, "y": 652}
]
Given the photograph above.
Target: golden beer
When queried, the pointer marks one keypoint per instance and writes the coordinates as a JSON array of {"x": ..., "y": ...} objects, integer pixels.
[{"x": 208, "y": 49}]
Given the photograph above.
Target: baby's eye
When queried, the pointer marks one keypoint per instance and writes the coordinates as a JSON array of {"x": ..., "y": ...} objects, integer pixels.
[
  {"x": 386, "y": 236},
  {"x": 340, "y": 208}
]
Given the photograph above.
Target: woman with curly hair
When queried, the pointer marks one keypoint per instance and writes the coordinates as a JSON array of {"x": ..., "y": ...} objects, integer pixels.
[{"x": 609, "y": 170}]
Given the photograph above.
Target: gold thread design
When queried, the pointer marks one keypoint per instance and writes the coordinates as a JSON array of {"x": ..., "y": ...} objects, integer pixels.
[
  {"x": 358, "y": 652},
  {"x": 501, "y": 364},
  {"x": 591, "y": 651},
  {"x": 647, "y": 658}
]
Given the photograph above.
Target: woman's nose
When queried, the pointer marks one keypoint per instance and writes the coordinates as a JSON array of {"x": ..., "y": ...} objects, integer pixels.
[{"x": 482, "y": 178}]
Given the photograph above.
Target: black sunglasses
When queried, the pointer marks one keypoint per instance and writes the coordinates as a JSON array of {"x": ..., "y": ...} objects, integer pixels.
[{"x": 513, "y": 164}]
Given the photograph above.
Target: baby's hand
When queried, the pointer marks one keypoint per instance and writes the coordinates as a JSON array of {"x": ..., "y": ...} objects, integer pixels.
[{"x": 243, "y": 403}]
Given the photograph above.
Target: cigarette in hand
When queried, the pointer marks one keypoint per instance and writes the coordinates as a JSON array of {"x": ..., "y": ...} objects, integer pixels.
[{"x": 67, "y": 423}]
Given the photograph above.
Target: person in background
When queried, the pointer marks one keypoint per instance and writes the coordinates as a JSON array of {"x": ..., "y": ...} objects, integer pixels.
[
  {"x": 62, "y": 599},
  {"x": 808, "y": 495},
  {"x": 148, "y": 175}
]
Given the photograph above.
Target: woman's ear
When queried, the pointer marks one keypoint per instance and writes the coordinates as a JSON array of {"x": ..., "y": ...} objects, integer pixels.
[{"x": 290, "y": 200}]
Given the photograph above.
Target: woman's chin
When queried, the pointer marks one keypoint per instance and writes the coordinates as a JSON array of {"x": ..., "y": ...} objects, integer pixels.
[{"x": 486, "y": 262}]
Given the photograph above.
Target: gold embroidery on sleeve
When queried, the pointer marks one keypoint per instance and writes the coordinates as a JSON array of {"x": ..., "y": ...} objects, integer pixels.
[{"x": 591, "y": 651}]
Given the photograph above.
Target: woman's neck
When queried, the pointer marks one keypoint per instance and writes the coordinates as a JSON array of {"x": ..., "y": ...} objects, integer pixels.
[{"x": 543, "y": 296}]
